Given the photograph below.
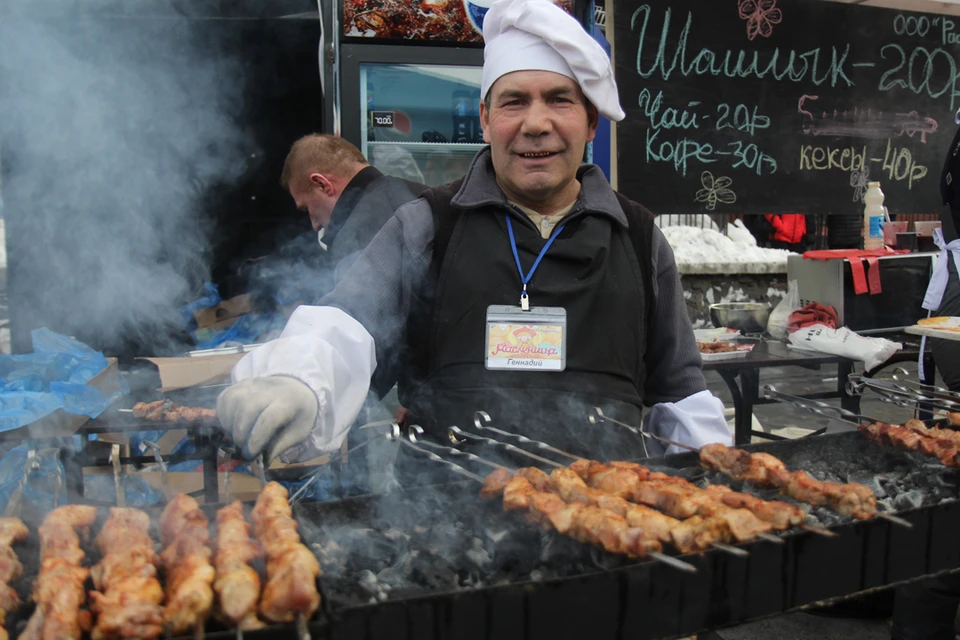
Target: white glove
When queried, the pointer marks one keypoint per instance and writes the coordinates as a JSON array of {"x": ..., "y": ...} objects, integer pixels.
[{"x": 267, "y": 415}]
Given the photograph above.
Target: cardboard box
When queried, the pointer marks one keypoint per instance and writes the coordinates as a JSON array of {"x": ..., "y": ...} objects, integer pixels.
[
  {"x": 180, "y": 373},
  {"x": 236, "y": 306},
  {"x": 60, "y": 423}
]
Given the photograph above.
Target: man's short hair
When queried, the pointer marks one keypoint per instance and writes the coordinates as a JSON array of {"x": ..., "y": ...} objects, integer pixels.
[{"x": 320, "y": 153}]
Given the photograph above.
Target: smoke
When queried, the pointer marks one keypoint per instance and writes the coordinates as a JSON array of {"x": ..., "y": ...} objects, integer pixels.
[{"x": 116, "y": 133}]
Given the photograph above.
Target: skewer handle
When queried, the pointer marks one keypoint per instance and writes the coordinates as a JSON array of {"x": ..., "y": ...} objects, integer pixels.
[
  {"x": 303, "y": 633},
  {"x": 769, "y": 537},
  {"x": 897, "y": 520},
  {"x": 673, "y": 562},
  {"x": 820, "y": 531},
  {"x": 458, "y": 436},
  {"x": 734, "y": 551}
]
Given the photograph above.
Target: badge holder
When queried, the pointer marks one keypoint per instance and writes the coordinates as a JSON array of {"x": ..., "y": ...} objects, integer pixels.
[{"x": 518, "y": 340}]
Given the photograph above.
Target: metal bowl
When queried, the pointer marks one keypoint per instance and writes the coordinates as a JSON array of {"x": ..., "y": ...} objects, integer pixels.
[{"x": 748, "y": 317}]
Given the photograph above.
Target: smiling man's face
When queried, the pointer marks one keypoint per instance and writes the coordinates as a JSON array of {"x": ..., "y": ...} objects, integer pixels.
[{"x": 538, "y": 125}]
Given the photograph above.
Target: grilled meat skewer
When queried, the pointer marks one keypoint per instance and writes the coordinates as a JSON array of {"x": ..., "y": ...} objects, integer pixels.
[
  {"x": 186, "y": 560},
  {"x": 12, "y": 530},
  {"x": 677, "y": 498},
  {"x": 128, "y": 596},
  {"x": 584, "y": 523},
  {"x": 58, "y": 590},
  {"x": 237, "y": 584},
  {"x": 165, "y": 411},
  {"x": 762, "y": 469},
  {"x": 946, "y": 450},
  {"x": 292, "y": 569}
]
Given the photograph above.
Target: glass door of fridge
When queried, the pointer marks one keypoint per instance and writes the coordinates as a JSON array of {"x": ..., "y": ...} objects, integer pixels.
[{"x": 420, "y": 121}]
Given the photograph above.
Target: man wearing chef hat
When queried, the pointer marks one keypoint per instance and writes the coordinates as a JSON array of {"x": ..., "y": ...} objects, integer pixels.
[{"x": 530, "y": 237}]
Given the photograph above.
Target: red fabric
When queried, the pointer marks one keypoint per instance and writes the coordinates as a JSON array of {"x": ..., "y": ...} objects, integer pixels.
[
  {"x": 837, "y": 254},
  {"x": 873, "y": 275},
  {"x": 788, "y": 227},
  {"x": 862, "y": 281},
  {"x": 859, "y": 277},
  {"x": 813, "y": 313}
]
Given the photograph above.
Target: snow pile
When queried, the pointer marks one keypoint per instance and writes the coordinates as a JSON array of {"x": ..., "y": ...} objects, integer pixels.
[{"x": 708, "y": 251}]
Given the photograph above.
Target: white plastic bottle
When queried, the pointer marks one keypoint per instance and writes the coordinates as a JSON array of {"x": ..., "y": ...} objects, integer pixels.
[{"x": 873, "y": 217}]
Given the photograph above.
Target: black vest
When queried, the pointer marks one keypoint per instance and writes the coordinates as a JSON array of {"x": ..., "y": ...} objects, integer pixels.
[{"x": 598, "y": 271}]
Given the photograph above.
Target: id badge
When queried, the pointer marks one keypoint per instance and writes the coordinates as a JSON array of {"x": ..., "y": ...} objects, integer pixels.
[{"x": 534, "y": 340}]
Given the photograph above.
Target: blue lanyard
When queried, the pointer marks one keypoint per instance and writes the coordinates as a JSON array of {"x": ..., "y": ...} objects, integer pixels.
[{"x": 524, "y": 301}]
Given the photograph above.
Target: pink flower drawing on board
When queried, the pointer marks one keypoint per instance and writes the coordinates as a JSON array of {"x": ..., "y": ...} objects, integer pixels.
[{"x": 760, "y": 15}]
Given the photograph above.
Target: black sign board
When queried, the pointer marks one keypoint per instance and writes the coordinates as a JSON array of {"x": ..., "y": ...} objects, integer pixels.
[{"x": 783, "y": 106}]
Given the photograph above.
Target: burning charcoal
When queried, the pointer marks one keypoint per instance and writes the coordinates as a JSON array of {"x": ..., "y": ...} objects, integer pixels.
[
  {"x": 871, "y": 481},
  {"x": 536, "y": 575},
  {"x": 497, "y": 536},
  {"x": 908, "y": 500},
  {"x": 368, "y": 580},
  {"x": 478, "y": 554}
]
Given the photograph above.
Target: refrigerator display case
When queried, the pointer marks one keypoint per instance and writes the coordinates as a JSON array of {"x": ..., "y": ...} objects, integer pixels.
[
  {"x": 403, "y": 81},
  {"x": 412, "y": 118}
]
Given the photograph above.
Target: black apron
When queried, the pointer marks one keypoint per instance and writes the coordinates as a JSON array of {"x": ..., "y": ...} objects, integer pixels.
[{"x": 591, "y": 270}]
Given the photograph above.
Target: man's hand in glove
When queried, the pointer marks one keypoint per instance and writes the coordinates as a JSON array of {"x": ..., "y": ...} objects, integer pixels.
[{"x": 267, "y": 415}]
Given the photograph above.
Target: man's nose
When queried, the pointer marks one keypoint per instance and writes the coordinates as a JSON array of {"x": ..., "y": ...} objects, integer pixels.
[{"x": 537, "y": 121}]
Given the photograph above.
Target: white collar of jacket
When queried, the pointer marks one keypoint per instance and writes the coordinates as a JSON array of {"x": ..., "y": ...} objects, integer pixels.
[
  {"x": 480, "y": 189},
  {"x": 938, "y": 281}
]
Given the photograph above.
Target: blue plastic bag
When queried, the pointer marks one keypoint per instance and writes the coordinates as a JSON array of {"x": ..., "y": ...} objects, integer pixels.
[
  {"x": 210, "y": 299},
  {"x": 53, "y": 377}
]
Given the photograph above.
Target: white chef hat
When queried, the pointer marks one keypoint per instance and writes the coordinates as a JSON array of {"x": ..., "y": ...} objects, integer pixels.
[{"x": 537, "y": 35}]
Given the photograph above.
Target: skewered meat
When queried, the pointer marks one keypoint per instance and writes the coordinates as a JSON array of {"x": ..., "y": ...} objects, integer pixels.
[
  {"x": 945, "y": 434},
  {"x": 912, "y": 438},
  {"x": 584, "y": 523},
  {"x": 851, "y": 499},
  {"x": 186, "y": 560},
  {"x": 164, "y": 411},
  {"x": 12, "y": 530},
  {"x": 292, "y": 569},
  {"x": 128, "y": 596},
  {"x": 237, "y": 584},
  {"x": 677, "y": 498},
  {"x": 58, "y": 590},
  {"x": 780, "y": 515}
]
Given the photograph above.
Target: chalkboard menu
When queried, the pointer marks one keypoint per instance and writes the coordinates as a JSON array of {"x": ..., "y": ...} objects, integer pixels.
[{"x": 780, "y": 106}]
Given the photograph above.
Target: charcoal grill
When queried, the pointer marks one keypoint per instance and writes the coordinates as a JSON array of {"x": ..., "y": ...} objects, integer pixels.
[{"x": 539, "y": 585}]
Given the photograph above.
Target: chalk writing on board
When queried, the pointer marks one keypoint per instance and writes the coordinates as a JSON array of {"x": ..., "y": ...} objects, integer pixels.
[
  {"x": 714, "y": 191},
  {"x": 760, "y": 15},
  {"x": 818, "y": 65},
  {"x": 857, "y": 122},
  {"x": 897, "y": 162},
  {"x": 859, "y": 180}
]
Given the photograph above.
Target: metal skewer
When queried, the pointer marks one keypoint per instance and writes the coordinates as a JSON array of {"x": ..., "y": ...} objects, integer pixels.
[
  {"x": 458, "y": 436},
  {"x": 481, "y": 420},
  {"x": 239, "y": 633},
  {"x": 198, "y": 631},
  {"x": 734, "y": 551},
  {"x": 256, "y": 465},
  {"x": 118, "y": 486},
  {"x": 672, "y": 562},
  {"x": 411, "y": 443},
  {"x": 392, "y": 434},
  {"x": 941, "y": 391},
  {"x": 303, "y": 633},
  {"x": 897, "y": 520},
  {"x": 820, "y": 531},
  {"x": 597, "y": 416}
]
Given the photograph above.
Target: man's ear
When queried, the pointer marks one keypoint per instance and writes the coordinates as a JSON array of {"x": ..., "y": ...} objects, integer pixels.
[
  {"x": 593, "y": 119},
  {"x": 318, "y": 180},
  {"x": 485, "y": 121}
]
